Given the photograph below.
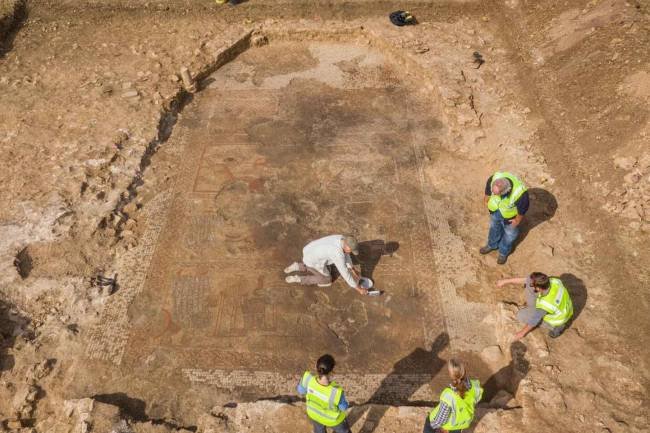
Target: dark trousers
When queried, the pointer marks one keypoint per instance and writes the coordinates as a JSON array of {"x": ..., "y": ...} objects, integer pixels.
[
  {"x": 340, "y": 428},
  {"x": 428, "y": 429}
]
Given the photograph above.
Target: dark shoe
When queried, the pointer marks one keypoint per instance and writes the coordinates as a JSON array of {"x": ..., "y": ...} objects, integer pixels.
[
  {"x": 501, "y": 260},
  {"x": 485, "y": 250}
]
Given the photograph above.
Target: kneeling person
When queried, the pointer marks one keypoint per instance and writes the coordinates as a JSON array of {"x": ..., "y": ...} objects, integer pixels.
[
  {"x": 319, "y": 255},
  {"x": 547, "y": 302}
]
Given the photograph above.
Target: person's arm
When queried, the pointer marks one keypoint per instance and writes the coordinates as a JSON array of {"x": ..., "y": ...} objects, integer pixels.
[
  {"x": 522, "y": 332},
  {"x": 346, "y": 274},
  {"x": 343, "y": 402},
  {"x": 516, "y": 220},
  {"x": 523, "y": 203},
  {"x": 442, "y": 416},
  {"x": 501, "y": 283},
  {"x": 301, "y": 389},
  {"x": 488, "y": 190},
  {"x": 533, "y": 322}
]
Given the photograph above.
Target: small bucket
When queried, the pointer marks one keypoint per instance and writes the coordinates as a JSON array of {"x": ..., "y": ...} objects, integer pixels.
[{"x": 365, "y": 283}]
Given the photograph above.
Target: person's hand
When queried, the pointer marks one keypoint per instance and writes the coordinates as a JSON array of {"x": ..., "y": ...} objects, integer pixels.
[
  {"x": 362, "y": 291},
  {"x": 516, "y": 220},
  {"x": 501, "y": 283},
  {"x": 519, "y": 335}
]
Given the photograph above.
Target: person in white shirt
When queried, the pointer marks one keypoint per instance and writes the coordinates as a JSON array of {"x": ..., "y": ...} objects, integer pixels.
[{"x": 318, "y": 255}]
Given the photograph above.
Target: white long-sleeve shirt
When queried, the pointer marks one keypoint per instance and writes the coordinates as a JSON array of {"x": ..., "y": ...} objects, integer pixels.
[{"x": 327, "y": 251}]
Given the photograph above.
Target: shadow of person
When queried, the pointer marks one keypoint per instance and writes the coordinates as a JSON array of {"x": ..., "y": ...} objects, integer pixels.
[
  {"x": 506, "y": 379},
  {"x": 371, "y": 252},
  {"x": 12, "y": 325},
  {"x": 10, "y": 28},
  {"x": 130, "y": 407},
  {"x": 577, "y": 291},
  {"x": 407, "y": 376},
  {"x": 543, "y": 206}
]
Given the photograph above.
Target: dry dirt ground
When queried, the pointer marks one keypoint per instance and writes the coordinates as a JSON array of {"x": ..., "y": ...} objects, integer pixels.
[{"x": 307, "y": 118}]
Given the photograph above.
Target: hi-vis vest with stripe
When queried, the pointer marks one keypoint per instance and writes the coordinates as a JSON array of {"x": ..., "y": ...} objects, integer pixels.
[
  {"x": 462, "y": 409},
  {"x": 556, "y": 303},
  {"x": 323, "y": 401},
  {"x": 507, "y": 206}
]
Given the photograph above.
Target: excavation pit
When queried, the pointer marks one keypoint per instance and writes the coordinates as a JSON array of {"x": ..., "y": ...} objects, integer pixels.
[{"x": 287, "y": 143}]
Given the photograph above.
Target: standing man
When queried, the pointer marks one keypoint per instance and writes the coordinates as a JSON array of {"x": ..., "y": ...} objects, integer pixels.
[
  {"x": 507, "y": 200},
  {"x": 547, "y": 302},
  {"x": 326, "y": 403},
  {"x": 319, "y": 255}
]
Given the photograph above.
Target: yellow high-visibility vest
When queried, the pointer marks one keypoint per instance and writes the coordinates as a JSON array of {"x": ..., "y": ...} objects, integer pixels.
[
  {"x": 323, "y": 401},
  {"x": 462, "y": 408},
  {"x": 557, "y": 303},
  {"x": 507, "y": 206}
]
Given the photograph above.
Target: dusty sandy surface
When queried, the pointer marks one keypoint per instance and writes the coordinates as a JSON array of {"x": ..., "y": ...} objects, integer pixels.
[{"x": 305, "y": 119}]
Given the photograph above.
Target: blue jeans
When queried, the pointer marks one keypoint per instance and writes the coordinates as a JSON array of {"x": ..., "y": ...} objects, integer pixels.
[{"x": 502, "y": 235}]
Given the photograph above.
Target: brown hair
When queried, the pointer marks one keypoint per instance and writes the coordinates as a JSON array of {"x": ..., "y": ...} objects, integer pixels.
[
  {"x": 539, "y": 280},
  {"x": 325, "y": 364},
  {"x": 458, "y": 376}
]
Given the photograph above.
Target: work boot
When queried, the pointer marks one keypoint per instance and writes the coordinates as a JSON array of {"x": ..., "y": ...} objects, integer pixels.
[
  {"x": 294, "y": 267},
  {"x": 292, "y": 279},
  {"x": 485, "y": 250},
  {"x": 501, "y": 260}
]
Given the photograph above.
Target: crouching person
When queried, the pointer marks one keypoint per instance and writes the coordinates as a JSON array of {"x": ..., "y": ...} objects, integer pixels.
[{"x": 547, "y": 302}]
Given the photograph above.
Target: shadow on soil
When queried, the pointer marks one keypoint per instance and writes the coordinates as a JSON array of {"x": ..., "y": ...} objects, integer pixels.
[
  {"x": 10, "y": 25},
  {"x": 578, "y": 292},
  {"x": 135, "y": 409},
  {"x": 12, "y": 326},
  {"x": 371, "y": 252},
  {"x": 506, "y": 379},
  {"x": 393, "y": 390},
  {"x": 542, "y": 208}
]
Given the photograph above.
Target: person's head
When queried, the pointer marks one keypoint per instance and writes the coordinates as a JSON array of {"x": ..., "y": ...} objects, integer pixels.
[
  {"x": 501, "y": 186},
  {"x": 539, "y": 281},
  {"x": 458, "y": 375},
  {"x": 350, "y": 245},
  {"x": 325, "y": 365}
]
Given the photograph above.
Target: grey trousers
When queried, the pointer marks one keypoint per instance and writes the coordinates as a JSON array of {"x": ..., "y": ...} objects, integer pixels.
[
  {"x": 532, "y": 316},
  {"x": 341, "y": 428},
  {"x": 313, "y": 277}
]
